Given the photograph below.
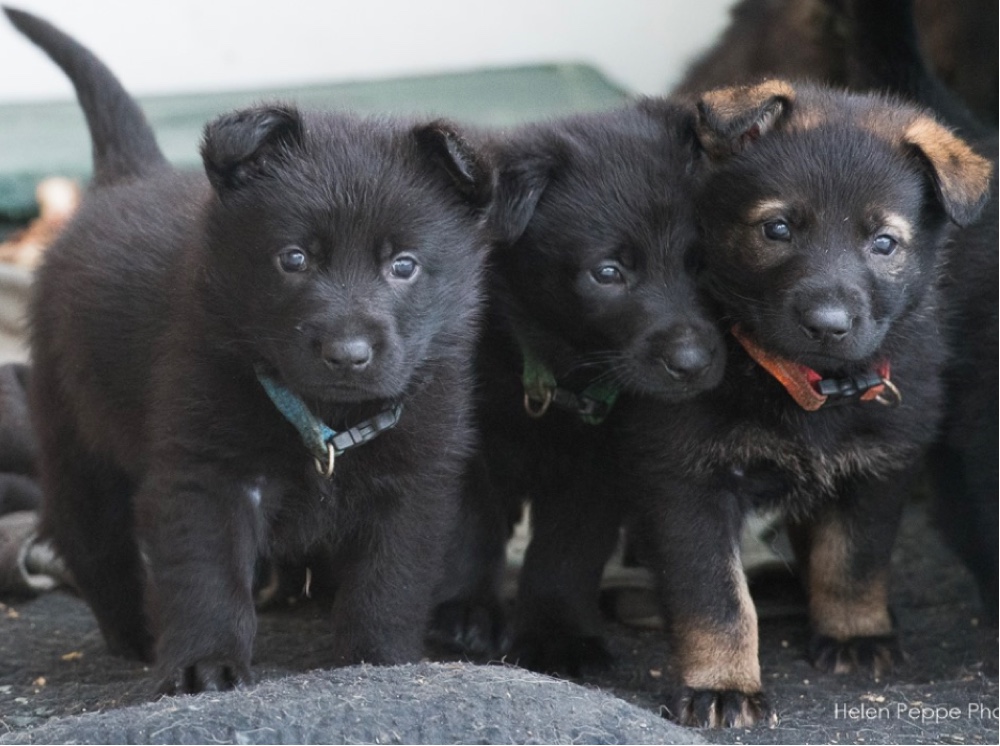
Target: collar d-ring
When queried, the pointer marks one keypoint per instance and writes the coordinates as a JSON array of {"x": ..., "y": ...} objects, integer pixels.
[
  {"x": 326, "y": 471},
  {"x": 896, "y": 397},
  {"x": 537, "y": 410}
]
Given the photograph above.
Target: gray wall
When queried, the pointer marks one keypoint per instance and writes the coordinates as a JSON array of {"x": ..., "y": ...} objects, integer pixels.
[{"x": 205, "y": 45}]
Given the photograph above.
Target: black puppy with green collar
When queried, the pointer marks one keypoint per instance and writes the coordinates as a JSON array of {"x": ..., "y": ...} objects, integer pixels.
[
  {"x": 592, "y": 300},
  {"x": 263, "y": 360}
]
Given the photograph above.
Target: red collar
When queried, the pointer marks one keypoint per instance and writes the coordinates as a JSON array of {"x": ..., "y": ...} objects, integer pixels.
[{"x": 805, "y": 385}]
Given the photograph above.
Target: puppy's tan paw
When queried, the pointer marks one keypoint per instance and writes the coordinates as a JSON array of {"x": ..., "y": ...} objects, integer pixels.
[{"x": 710, "y": 708}]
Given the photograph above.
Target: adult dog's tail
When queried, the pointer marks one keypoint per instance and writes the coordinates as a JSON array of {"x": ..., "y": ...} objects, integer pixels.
[{"x": 124, "y": 146}]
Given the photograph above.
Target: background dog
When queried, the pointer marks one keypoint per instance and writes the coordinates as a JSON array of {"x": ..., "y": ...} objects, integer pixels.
[{"x": 811, "y": 39}]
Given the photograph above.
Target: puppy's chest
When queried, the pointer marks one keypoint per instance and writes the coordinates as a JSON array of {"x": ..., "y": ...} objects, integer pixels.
[
  {"x": 775, "y": 467},
  {"x": 298, "y": 511}
]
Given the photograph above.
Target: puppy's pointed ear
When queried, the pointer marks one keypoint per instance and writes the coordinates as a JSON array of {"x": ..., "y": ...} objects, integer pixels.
[
  {"x": 729, "y": 119},
  {"x": 961, "y": 178},
  {"x": 242, "y": 146},
  {"x": 470, "y": 171}
]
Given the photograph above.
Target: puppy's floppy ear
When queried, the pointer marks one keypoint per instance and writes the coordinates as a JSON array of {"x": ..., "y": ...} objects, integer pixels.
[
  {"x": 961, "y": 177},
  {"x": 470, "y": 171},
  {"x": 526, "y": 170},
  {"x": 729, "y": 119},
  {"x": 239, "y": 147}
]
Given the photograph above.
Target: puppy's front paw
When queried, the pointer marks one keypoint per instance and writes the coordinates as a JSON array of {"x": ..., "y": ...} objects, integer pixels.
[
  {"x": 470, "y": 627},
  {"x": 560, "y": 652},
  {"x": 711, "y": 708},
  {"x": 876, "y": 655},
  {"x": 205, "y": 676}
]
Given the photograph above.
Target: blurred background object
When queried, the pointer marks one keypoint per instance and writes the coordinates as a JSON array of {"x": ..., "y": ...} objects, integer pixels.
[{"x": 805, "y": 39}]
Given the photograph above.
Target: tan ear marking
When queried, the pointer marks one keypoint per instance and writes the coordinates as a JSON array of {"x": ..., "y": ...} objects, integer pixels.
[
  {"x": 730, "y": 118},
  {"x": 961, "y": 176},
  {"x": 730, "y": 103}
]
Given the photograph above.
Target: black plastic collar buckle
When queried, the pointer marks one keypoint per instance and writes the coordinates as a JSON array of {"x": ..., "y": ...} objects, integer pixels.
[
  {"x": 585, "y": 407},
  {"x": 847, "y": 389}
]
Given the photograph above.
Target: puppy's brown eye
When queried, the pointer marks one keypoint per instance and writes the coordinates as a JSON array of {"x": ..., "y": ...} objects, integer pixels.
[
  {"x": 884, "y": 245},
  {"x": 293, "y": 259},
  {"x": 608, "y": 273},
  {"x": 403, "y": 267},
  {"x": 778, "y": 230}
]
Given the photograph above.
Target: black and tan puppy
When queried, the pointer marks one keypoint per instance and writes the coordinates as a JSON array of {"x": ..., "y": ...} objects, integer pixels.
[
  {"x": 205, "y": 347},
  {"x": 592, "y": 300},
  {"x": 825, "y": 227}
]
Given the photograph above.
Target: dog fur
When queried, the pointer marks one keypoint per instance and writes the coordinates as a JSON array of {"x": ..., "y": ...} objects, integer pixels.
[
  {"x": 343, "y": 255},
  {"x": 18, "y": 448},
  {"x": 825, "y": 231},
  {"x": 808, "y": 39},
  {"x": 887, "y": 56},
  {"x": 593, "y": 276}
]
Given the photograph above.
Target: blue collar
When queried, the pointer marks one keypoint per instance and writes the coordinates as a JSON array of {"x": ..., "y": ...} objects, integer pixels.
[{"x": 323, "y": 442}]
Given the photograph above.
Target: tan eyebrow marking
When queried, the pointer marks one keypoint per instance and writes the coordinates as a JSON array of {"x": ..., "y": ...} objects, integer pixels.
[
  {"x": 769, "y": 208},
  {"x": 897, "y": 224}
]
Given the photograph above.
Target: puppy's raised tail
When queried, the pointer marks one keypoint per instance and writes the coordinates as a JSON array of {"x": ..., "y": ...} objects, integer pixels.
[{"x": 124, "y": 146}]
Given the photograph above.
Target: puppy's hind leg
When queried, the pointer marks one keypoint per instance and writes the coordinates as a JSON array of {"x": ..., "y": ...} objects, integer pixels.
[
  {"x": 87, "y": 513},
  {"x": 575, "y": 521}
]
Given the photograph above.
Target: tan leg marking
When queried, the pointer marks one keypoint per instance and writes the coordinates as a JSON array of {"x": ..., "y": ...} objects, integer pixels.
[
  {"x": 717, "y": 657},
  {"x": 839, "y": 606}
]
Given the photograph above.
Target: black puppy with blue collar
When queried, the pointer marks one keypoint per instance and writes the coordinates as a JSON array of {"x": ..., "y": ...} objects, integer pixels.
[{"x": 204, "y": 348}]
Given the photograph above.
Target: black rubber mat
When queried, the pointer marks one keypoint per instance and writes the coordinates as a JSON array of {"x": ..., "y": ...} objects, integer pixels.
[{"x": 58, "y": 684}]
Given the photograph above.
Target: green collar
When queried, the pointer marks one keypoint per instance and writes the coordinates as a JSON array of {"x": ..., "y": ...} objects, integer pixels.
[{"x": 541, "y": 390}]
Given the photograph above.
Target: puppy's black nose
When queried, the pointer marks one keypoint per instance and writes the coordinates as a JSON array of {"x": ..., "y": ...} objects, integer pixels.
[
  {"x": 687, "y": 361},
  {"x": 831, "y": 322},
  {"x": 343, "y": 354}
]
